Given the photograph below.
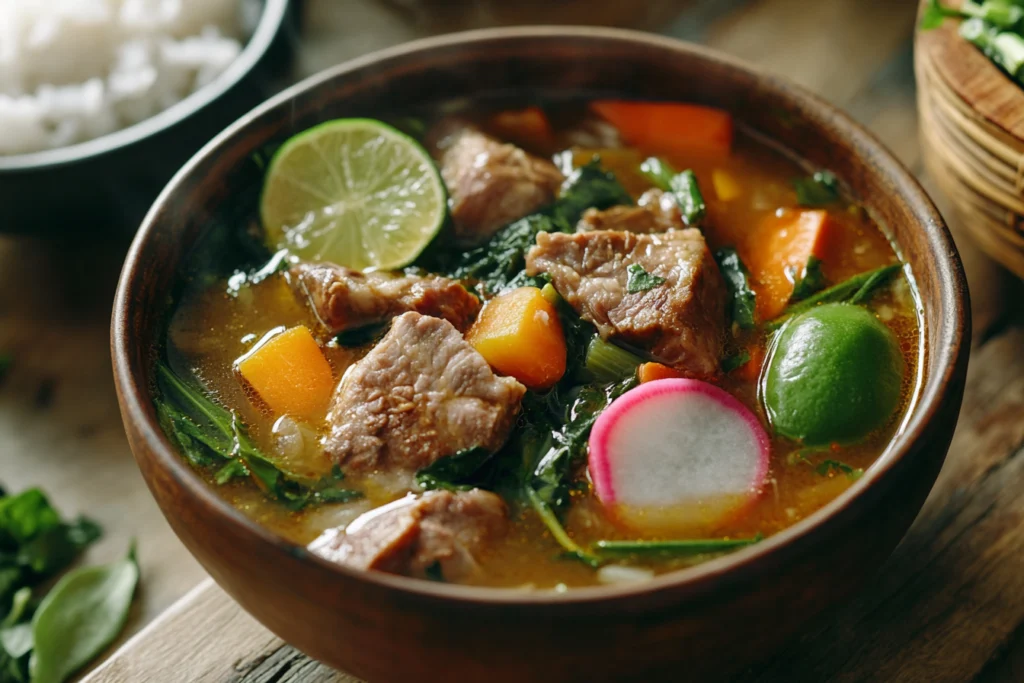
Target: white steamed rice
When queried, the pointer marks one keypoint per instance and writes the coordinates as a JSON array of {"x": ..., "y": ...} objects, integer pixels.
[{"x": 73, "y": 70}]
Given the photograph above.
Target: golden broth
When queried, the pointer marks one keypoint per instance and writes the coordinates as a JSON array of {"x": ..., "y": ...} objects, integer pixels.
[{"x": 211, "y": 328}]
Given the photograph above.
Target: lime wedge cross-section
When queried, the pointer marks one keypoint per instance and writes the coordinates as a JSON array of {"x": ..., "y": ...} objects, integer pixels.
[{"x": 355, "y": 192}]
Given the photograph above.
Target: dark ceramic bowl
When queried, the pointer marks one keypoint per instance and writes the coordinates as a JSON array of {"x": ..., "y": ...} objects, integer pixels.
[
  {"x": 107, "y": 184},
  {"x": 702, "y": 621}
]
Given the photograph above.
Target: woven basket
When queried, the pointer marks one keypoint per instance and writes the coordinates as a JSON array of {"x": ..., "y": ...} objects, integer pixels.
[{"x": 972, "y": 136}]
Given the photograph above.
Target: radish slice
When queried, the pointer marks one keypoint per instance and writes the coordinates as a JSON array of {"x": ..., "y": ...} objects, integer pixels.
[{"x": 678, "y": 453}]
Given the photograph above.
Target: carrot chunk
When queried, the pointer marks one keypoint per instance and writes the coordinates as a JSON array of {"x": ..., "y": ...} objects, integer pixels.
[
  {"x": 778, "y": 253},
  {"x": 520, "y": 335},
  {"x": 648, "y": 372},
  {"x": 290, "y": 374},
  {"x": 528, "y": 127},
  {"x": 669, "y": 128}
]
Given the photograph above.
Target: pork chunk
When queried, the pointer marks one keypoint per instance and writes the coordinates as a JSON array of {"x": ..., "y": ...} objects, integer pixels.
[
  {"x": 490, "y": 183},
  {"x": 681, "y": 321},
  {"x": 420, "y": 394},
  {"x": 416, "y": 535},
  {"x": 345, "y": 299},
  {"x": 656, "y": 211}
]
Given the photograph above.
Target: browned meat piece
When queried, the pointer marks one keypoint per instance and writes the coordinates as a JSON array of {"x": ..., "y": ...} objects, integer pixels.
[
  {"x": 417, "y": 535},
  {"x": 345, "y": 299},
  {"x": 656, "y": 211},
  {"x": 490, "y": 183},
  {"x": 422, "y": 393},
  {"x": 681, "y": 321}
]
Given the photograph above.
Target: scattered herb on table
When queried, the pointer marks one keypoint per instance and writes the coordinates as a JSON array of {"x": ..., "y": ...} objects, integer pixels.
[
  {"x": 683, "y": 186},
  {"x": 639, "y": 280},
  {"x": 209, "y": 435},
  {"x": 820, "y": 189},
  {"x": 46, "y": 638},
  {"x": 743, "y": 301}
]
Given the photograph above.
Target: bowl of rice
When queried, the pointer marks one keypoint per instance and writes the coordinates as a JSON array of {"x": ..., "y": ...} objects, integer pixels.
[{"x": 101, "y": 101}]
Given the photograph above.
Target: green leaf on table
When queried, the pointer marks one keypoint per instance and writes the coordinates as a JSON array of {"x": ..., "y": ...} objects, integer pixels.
[
  {"x": 80, "y": 617},
  {"x": 639, "y": 280}
]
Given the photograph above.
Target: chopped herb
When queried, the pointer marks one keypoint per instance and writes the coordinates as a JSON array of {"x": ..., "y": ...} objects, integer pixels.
[
  {"x": 737, "y": 281},
  {"x": 810, "y": 281},
  {"x": 735, "y": 362},
  {"x": 687, "y": 547},
  {"x": 820, "y": 189},
  {"x": 434, "y": 572},
  {"x": 683, "y": 186},
  {"x": 640, "y": 280},
  {"x": 454, "y": 472},
  {"x": 829, "y": 466},
  {"x": 209, "y": 435},
  {"x": 858, "y": 289}
]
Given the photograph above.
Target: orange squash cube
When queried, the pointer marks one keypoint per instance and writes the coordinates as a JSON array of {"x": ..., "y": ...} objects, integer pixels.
[{"x": 290, "y": 374}]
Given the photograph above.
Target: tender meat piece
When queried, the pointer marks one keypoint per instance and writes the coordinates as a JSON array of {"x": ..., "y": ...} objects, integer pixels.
[
  {"x": 490, "y": 183},
  {"x": 656, "y": 211},
  {"x": 422, "y": 393},
  {"x": 345, "y": 299},
  {"x": 418, "y": 534},
  {"x": 681, "y": 322}
]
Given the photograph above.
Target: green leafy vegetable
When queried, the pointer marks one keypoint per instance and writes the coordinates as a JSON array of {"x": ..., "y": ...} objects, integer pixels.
[
  {"x": 434, "y": 572},
  {"x": 996, "y": 27},
  {"x": 607, "y": 362},
  {"x": 828, "y": 466},
  {"x": 208, "y": 435},
  {"x": 499, "y": 263},
  {"x": 79, "y": 617},
  {"x": 731, "y": 363},
  {"x": 858, "y": 289},
  {"x": 810, "y": 281},
  {"x": 934, "y": 14},
  {"x": 455, "y": 472},
  {"x": 737, "y": 281},
  {"x": 683, "y": 186},
  {"x": 640, "y": 280},
  {"x": 558, "y": 532},
  {"x": 820, "y": 189},
  {"x": 674, "y": 548},
  {"x": 361, "y": 336}
]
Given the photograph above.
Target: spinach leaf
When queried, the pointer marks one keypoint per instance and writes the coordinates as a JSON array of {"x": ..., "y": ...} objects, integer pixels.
[
  {"x": 856, "y": 290},
  {"x": 454, "y": 472},
  {"x": 24, "y": 516},
  {"x": 675, "y": 548},
  {"x": 208, "y": 434},
  {"x": 683, "y": 186},
  {"x": 499, "y": 263},
  {"x": 80, "y": 617},
  {"x": 361, "y": 336},
  {"x": 639, "y": 280},
  {"x": 737, "y": 281},
  {"x": 810, "y": 281},
  {"x": 731, "y": 363},
  {"x": 820, "y": 189}
]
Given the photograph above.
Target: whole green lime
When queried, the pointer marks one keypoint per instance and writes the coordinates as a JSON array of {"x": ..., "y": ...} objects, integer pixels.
[{"x": 835, "y": 375}]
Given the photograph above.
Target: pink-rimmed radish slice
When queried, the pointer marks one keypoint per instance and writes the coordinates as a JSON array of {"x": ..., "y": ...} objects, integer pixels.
[{"x": 677, "y": 454}]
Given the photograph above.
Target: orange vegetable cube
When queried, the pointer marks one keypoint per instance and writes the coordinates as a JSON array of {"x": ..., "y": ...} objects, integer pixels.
[
  {"x": 777, "y": 254},
  {"x": 648, "y": 372},
  {"x": 669, "y": 128},
  {"x": 520, "y": 335},
  {"x": 290, "y": 374}
]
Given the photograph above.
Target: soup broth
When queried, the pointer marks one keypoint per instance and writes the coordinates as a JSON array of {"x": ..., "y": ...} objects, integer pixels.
[{"x": 750, "y": 200}]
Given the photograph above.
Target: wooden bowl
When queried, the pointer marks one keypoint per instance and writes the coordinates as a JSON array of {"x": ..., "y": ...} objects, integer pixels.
[
  {"x": 972, "y": 137},
  {"x": 704, "y": 621}
]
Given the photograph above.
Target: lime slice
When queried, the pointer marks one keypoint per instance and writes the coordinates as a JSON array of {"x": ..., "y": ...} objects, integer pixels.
[
  {"x": 355, "y": 192},
  {"x": 835, "y": 375}
]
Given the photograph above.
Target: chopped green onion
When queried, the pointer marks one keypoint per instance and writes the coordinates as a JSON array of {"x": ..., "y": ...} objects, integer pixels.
[
  {"x": 610, "y": 363},
  {"x": 688, "y": 547}
]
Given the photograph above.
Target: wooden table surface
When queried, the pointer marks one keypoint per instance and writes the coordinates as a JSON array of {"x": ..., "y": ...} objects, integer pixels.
[{"x": 949, "y": 604}]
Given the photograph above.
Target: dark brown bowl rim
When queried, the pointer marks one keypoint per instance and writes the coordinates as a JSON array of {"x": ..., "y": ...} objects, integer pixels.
[
  {"x": 697, "y": 580},
  {"x": 272, "y": 16}
]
